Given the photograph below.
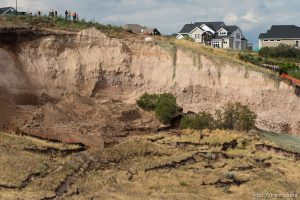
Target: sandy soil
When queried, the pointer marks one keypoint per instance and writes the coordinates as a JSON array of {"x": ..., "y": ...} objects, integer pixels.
[{"x": 48, "y": 76}]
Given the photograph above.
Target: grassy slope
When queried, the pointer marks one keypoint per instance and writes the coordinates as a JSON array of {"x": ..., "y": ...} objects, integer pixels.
[
  {"x": 160, "y": 166},
  {"x": 220, "y": 56},
  {"x": 61, "y": 24}
]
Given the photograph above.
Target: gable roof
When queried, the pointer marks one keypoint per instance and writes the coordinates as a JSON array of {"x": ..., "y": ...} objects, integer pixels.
[
  {"x": 230, "y": 29},
  {"x": 282, "y": 31},
  {"x": 5, "y": 10},
  {"x": 187, "y": 28}
]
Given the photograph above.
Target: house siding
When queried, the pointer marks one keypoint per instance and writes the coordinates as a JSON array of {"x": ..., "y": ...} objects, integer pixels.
[
  {"x": 275, "y": 43},
  {"x": 244, "y": 45},
  {"x": 237, "y": 42},
  {"x": 197, "y": 32},
  {"x": 226, "y": 43},
  {"x": 231, "y": 43}
]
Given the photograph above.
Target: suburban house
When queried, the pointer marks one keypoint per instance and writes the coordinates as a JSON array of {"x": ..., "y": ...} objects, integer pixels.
[
  {"x": 280, "y": 34},
  {"x": 7, "y": 11},
  {"x": 10, "y": 11},
  {"x": 215, "y": 34},
  {"x": 138, "y": 29}
]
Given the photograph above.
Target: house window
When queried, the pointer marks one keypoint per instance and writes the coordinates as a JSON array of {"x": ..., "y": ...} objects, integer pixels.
[
  {"x": 272, "y": 40},
  {"x": 197, "y": 36},
  {"x": 216, "y": 44},
  {"x": 266, "y": 40},
  {"x": 297, "y": 43},
  {"x": 278, "y": 40},
  {"x": 238, "y": 36}
]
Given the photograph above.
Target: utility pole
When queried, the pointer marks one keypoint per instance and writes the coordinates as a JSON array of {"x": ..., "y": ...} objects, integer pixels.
[{"x": 17, "y": 6}]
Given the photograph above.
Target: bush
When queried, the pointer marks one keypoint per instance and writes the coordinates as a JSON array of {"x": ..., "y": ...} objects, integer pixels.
[
  {"x": 203, "y": 120},
  {"x": 229, "y": 175},
  {"x": 281, "y": 51},
  {"x": 148, "y": 101},
  {"x": 235, "y": 116},
  {"x": 164, "y": 105},
  {"x": 166, "y": 108},
  {"x": 246, "y": 57}
]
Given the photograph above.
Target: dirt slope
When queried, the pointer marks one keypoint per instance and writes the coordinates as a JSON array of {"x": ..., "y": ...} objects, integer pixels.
[
  {"x": 186, "y": 165},
  {"x": 53, "y": 65}
]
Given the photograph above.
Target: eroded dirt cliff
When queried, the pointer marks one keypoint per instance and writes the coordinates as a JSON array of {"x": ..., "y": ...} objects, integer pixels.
[{"x": 46, "y": 69}]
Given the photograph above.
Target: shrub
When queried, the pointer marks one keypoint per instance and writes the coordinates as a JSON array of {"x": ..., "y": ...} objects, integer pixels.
[
  {"x": 226, "y": 189},
  {"x": 166, "y": 108},
  {"x": 203, "y": 120},
  {"x": 235, "y": 116},
  {"x": 148, "y": 101},
  {"x": 164, "y": 105},
  {"x": 229, "y": 175},
  {"x": 281, "y": 51}
]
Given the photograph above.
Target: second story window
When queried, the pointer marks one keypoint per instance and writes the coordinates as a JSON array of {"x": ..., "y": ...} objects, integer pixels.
[{"x": 238, "y": 36}]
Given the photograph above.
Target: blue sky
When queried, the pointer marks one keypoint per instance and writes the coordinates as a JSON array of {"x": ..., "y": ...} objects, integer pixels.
[{"x": 253, "y": 16}]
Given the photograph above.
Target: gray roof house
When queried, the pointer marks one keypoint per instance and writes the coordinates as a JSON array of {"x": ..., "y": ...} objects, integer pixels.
[
  {"x": 280, "y": 34},
  {"x": 187, "y": 28},
  {"x": 138, "y": 29},
  {"x": 215, "y": 34},
  {"x": 7, "y": 10}
]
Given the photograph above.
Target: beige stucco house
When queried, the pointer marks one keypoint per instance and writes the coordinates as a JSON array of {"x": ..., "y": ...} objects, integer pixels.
[
  {"x": 280, "y": 34},
  {"x": 215, "y": 34}
]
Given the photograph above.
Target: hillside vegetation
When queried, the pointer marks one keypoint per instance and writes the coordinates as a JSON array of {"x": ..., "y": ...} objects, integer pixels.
[
  {"x": 62, "y": 24},
  {"x": 190, "y": 164}
]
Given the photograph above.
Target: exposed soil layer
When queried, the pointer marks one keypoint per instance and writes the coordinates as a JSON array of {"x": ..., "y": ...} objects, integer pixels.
[
  {"x": 278, "y": 150},
  {"x": 81, "y": 87}
]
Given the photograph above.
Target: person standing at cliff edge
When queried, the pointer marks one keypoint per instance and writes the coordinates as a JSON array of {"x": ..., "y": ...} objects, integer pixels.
[
  {"x": 74, "y": 16},
  {"x": 66, "y": 15}
]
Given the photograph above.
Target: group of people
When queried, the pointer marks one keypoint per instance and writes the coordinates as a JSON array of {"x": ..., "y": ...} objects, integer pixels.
[{"x": 71, "y": 16}]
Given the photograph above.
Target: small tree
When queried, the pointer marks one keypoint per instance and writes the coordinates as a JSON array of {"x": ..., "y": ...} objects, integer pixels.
[
  {"x": 166, "y": 107},
  {"x": 235, "y": 116},
  {"x": 203, "y": 120}
]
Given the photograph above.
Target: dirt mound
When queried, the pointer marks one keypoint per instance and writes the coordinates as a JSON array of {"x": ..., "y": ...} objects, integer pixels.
[{"x": 79, "y": 119}]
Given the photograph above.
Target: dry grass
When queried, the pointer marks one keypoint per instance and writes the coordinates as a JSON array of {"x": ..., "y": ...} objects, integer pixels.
[
  {"x": 176, "y": 172},
  {"x": 218, "y": 56}
]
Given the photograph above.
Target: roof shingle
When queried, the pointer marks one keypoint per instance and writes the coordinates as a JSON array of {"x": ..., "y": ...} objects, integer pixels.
[{"x": 282, "y": 32}]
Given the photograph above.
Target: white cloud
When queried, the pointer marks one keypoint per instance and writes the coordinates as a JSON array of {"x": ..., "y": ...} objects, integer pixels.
[
  {"x": 253, "y": 16},
  {"x": 230, "y": 19},
  {"x": 250, "y": 17}
]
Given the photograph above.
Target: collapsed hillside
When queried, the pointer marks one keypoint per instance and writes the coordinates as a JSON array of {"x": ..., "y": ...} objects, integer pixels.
[
  {"x": 183, "y": 165},
  {"x": 44, "y": 67}
]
